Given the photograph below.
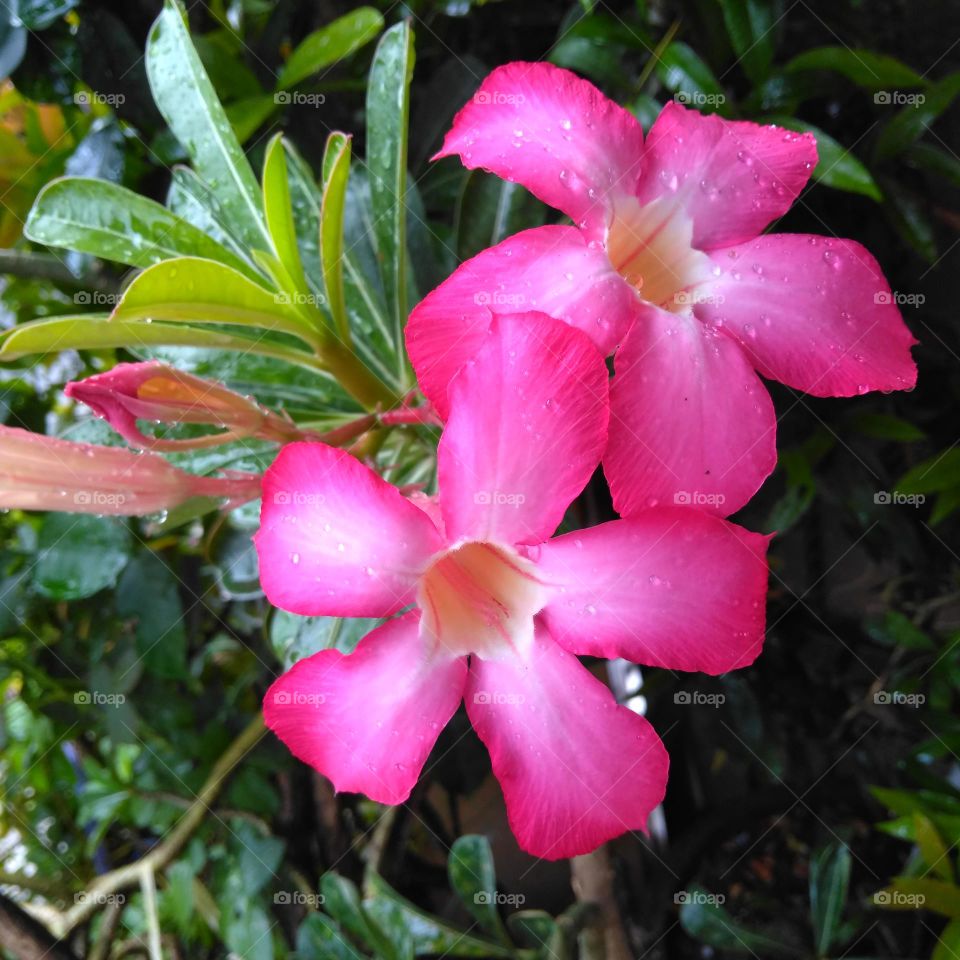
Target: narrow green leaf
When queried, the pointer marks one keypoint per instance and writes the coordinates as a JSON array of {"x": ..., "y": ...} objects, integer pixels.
[
  {"x": 932, "y": 848},
  {"x": 882, "y": 426},
  {"x": 190, "y": 290},
  {"x": 703, "y": 917},
  {"x": 336, "y": 173},
  {"x": 473, "y": 877},
  {"x": 872, "y": 71},
  {"x": 692, "y": 82},
  {"x": 933, "y": 160},
  {"x": 189, "y": 104},
  {"x": 279, "y": 214},
  {"x": 750, "y": 26},
  {"x": 912, "y": 120},
  {"x": 331, "y": 43},
  {"x": 948, "y": 943},
  {"x": 829, "y": 884},
  {"x": 837, "y": 167},
  {"x": 90, "y": 332},
  {"x": 388, "y": 110},
  {"x": 111, "y": 222},
  {"x": 490, "y": 210},
  {"x": 247, "y": 116},
  {"x": 940, "y": 472},
  {"x": 910, "y": 215}
]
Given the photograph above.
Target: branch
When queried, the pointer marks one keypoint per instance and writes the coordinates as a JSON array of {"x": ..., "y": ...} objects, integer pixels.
[
  {"x": 45, "y": 266},
  {"x": 591, "y": 877},
  {"x": 27, "y": 938},
  {"x": 129, "y": 875}
]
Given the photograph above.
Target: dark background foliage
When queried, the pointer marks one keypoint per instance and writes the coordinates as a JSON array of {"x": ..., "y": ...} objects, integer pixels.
[{"x": 835, "y": 753}]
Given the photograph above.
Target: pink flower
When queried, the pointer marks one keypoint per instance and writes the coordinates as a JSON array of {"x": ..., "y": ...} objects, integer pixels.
[
  {"x": 666, "y": 260},
  {"x": 498, "y": 612},
  {"x": 46, "y": 473},
  {"x": 155, "y": 391}
]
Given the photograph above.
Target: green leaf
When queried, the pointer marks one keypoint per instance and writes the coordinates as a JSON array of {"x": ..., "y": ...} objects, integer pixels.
[
  {"x": 13, "y": 39},
  {"x": 319, "y": 938},
  {"x": 533, "y": 928},
  {"x": 335, "y": 41},
  {"x": 79, "y": 555},
  {"x": 279, "y": 214},
  {"x": 388, "y": 109},
  {"x": 336, "y": 173},
  {"x": 940, "y": 472},
  {"x": 912, "y": 121},
  {"x": 111, "y": 222},
  {"x": 95, "y": 332},
  {"x": 490, "y": 210},
  {"x": 247, "y": 116},
  {"x": 703, "y": 918},
  {"x": 246, "y": 928},
  {"x": 829, "y": 885},
  {"x": 191, "y": 290},
  {"x": 189, "y": 104},
  {"x": 836, "y": 167},
  {"x": 920, "y": 893},
  {"x": 933, "y": 160},
  {"x": 473, "y": 878},
  {"x": 148, "y": 596},
  {"x": 872, "y": 71},
  {"x": 910, "y": 216},
  {"x": 692, "y": 82},
  {"x": 750, "y": 26},
  {"x": 882, "y": 426},
  {"x": 431, "y": 935},
  {"x": 293, "y": 637},
  {"x": 932, "y": 848},
  {"x": 948, "y": 942}
]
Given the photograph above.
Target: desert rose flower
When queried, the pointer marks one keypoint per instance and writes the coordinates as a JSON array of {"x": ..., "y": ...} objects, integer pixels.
[
  {"x": 155, "y": 391},
  {"x": 495, "y": 611},
  {"x": 46, "y": 473},
  {"x": 667, "y": 264}
]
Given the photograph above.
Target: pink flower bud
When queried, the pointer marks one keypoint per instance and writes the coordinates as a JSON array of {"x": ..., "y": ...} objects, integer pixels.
[{"x": 46, "y": 473}]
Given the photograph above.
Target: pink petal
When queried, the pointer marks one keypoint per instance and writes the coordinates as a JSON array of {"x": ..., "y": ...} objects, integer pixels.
[
  {"x": 550, "y": 269},
  {"x": 690, "y": 422},
  {"x": 558, "y": 135},
  {"x": 576, "y": 769},
  {"x": 527, "y": 425},
  {"x": 368, "y": 721},
  {"x": 814, "y": 313},
  {"x": 673, "y": 587},
  {"x": 731, "y": 177},
  {"x": 337, "y": 540}
]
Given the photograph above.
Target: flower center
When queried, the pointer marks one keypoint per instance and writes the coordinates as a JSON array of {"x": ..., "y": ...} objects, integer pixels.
[
  {"x": 481, "y": 598},
  {"x": 651, "y": 248}
]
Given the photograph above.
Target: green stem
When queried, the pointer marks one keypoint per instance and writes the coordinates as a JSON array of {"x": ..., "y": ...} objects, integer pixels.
[{"x": 356, "y": 378}]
